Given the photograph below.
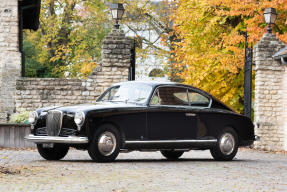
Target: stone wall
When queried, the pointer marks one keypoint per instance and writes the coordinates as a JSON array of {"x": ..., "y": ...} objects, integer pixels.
[
  {"x": 33, "y": 93},
  {"x": 270, "y": 109},
  {"x": 10, "y": 57}
]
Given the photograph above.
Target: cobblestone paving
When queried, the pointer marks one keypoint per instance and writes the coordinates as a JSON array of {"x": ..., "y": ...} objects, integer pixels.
[{"x": 143, "y": 171}]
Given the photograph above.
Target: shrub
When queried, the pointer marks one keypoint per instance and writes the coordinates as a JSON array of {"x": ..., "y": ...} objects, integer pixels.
[{"x": 21, "y": 117}]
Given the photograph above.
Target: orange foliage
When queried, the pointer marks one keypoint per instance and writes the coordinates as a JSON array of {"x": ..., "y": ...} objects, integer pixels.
[{"x": 210, "y": 53}]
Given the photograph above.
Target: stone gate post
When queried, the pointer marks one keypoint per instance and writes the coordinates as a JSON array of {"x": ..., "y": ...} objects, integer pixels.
[
  {"x": 10, "y": 57},
  {"x": 270, "y": 107},
  {"x": 116, "y": 60}
]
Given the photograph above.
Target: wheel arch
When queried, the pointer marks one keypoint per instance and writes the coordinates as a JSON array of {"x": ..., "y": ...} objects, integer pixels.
[
  {"x": 95, "y": 124},
  {"x": 235, "y": 128}
]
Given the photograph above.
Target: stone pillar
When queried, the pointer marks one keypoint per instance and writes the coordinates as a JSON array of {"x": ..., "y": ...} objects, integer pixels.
[
  {"x": 10, "y": 57},
  {"x": 270, "y": 109},
  {"x": 116, "y": 60}
]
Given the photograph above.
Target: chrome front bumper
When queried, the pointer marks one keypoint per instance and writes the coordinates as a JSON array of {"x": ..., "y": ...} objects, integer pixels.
[{"x": 57, "y": 139}]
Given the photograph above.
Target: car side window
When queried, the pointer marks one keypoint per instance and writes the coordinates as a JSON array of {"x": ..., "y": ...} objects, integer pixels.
[
  {"x": 170, "y": 96},
  {"x": 196, "y": 99},
  {"x": 155, "y": 99}
]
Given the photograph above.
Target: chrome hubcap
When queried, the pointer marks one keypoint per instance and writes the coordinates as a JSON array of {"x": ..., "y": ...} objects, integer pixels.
[
  {"x": 107, "y": 143},
  {"x": 227, "y": 144}
]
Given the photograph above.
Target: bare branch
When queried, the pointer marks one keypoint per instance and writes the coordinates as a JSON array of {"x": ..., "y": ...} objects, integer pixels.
[{"x": 149, "y": 43}]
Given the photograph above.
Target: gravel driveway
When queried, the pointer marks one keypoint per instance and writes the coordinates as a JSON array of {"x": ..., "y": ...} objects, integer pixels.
[{"x": 25, "y": 170}]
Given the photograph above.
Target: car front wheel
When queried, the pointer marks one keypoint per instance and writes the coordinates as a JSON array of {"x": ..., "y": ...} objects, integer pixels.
[
  {"x": 56, "y": 152},
  {"x": 171, "y": 155},
  {"x": 226, "y": 147},
  {"x": 105, "y": 145}
]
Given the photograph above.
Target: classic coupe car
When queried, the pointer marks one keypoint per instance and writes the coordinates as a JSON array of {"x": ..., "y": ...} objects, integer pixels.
[{"x": 147, "y": 116}]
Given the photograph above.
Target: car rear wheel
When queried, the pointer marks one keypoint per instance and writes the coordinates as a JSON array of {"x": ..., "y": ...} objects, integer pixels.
[
  {"x": 105, "y": 145},
  {"x": 57, "y": 152},
  {"x": 226, "y": 147},
  {"x": 171, "y": 155}
]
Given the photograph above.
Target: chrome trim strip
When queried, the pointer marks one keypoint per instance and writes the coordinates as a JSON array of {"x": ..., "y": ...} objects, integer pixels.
[
  {"x": 57, "y": 139},
  {"x": 171, "y": 141},
  {"x": 190, "y": 114},
  {"x": 151, "y": 150}
]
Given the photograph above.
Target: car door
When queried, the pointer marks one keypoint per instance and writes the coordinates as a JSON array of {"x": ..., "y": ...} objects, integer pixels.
[
  {"x": 169, "y": 116},
  {"x": 199, "y": 106},
  {"x": 131, "y": 118}
]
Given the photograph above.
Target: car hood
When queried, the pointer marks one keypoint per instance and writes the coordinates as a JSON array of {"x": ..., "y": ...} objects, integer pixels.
[{"x": 90, "y": 107}]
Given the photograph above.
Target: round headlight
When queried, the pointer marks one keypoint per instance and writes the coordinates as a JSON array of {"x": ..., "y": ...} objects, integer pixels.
[
  {"x": 79, "y": 118},
  {"x": 33, "y": 117}
]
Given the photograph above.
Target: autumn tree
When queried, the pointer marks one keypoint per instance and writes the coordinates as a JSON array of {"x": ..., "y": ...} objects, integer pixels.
[
  {"x": 210, "y": 53},
  {"x": 68, "y": 42}
]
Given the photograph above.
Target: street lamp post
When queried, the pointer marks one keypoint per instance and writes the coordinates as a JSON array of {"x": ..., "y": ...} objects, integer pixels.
[
  {"x": 248, "y": 77},
  {"x": 270, "y": 17},
  {"x": 117, "y": 11}
]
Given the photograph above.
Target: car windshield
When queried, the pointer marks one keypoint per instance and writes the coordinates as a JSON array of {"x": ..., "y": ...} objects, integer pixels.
[{"x": 135, "y": 93}]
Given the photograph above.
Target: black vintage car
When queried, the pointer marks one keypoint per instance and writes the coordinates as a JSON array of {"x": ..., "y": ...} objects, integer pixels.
[{"x": 167, "y": 117}]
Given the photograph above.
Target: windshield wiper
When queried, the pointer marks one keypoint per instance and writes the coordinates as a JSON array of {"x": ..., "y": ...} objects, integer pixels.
[
  {"x": 118, "y": 101},
  {"x": 125, "y": 101},
  {"x": 140, "y": 99}
]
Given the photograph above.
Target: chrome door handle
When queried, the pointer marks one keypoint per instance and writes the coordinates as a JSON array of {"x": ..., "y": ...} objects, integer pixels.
[{"x": 190, "y": 114}]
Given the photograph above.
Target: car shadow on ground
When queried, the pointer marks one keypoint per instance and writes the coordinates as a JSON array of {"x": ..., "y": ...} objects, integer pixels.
[{"x": 158, "y": 160}]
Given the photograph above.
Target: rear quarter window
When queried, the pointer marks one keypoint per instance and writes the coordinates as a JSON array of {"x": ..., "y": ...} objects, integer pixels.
[{"x": 197, "y": 99}]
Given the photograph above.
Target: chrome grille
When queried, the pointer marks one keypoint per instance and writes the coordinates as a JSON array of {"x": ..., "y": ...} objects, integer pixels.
[
  {"x": 41, "y": 131},
  {"x": 54, "y": 122},
  {"x": 67, "y": 132}
]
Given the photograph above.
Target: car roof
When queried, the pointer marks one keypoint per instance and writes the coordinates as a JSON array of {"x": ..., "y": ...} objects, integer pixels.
[
  {"x": 151, "y": 83},
  {"x": 160, "y": 83}
]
